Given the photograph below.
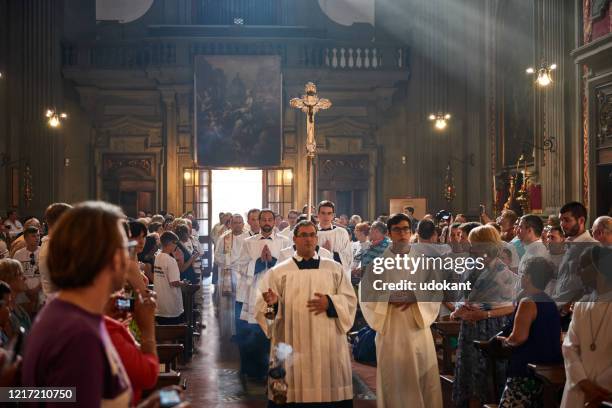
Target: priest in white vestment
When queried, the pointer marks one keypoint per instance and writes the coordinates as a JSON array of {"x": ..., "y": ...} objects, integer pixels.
[
  {"x": 407, "y": 366},
  {"x": 334, "y": 239},
  {"x": 227, "y": 254},
  {"x": 587, "y": 347},
  {"x": 259, "y": 253},
  {"x": 314, "y": 307}
]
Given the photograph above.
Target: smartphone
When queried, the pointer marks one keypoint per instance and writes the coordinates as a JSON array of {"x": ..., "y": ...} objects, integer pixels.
[
  {"x": 169, "y": 398},
  {"x": 125, "y": 304}
]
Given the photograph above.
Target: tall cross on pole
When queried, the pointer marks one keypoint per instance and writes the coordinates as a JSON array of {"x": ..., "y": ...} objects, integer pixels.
[{"x": 310, "y": 104}]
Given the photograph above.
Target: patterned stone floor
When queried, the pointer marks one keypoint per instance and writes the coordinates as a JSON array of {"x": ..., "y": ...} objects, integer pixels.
[{"x": 212, "y": 374}]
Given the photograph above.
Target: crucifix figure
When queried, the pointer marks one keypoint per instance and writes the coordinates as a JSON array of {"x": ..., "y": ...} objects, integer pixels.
[{"x": 310, "y": 104}]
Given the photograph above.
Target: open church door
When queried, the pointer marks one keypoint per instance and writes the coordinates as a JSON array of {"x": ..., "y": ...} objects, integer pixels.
[{"x": 197, "y": 193}]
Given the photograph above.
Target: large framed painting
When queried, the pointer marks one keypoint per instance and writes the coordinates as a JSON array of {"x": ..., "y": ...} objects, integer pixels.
[{"x": 238, "y": 110}]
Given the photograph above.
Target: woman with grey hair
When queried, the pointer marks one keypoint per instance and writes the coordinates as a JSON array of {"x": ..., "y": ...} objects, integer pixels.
[{"x": 483, "y": 314}]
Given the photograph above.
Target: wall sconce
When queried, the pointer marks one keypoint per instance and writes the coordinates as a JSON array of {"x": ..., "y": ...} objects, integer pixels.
[
  {"x": 544, "y": 77},
  {"x": 54, "y": 119},
  {"x": 440, "y": 120}
]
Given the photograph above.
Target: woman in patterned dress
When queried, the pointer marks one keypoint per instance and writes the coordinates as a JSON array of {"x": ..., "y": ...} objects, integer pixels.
[{"x": 483, "y": 314}]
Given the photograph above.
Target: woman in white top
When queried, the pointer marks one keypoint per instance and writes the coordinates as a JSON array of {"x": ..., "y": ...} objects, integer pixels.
[{"x": 587, "y": 347}]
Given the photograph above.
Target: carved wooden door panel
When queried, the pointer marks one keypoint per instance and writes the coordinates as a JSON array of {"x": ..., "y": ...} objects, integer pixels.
[{"x": 344, "y": 179}]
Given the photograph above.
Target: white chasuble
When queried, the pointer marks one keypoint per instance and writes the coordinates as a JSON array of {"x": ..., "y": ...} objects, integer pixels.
[
  {"x": 407, "y": 366},
  {"x": 341, "y": 247},
  {"x": 319, "y": 369}
]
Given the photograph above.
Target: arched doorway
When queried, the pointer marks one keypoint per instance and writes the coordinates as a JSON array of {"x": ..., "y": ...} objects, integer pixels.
[{"x": 130, "y": 183}]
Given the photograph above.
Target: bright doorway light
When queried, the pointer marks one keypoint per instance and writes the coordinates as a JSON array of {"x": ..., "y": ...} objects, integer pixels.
[{"x": 235, "y": 191}]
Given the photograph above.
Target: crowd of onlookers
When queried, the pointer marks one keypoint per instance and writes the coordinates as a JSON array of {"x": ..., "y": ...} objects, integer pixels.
[
  {"x": 61, "y": 278},
  {"x": 543, "y": 280},
  {"x": 81, "y": 293}
]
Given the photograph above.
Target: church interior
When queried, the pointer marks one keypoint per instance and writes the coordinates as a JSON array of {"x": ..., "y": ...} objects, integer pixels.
[{"x": 169, "y": 168}]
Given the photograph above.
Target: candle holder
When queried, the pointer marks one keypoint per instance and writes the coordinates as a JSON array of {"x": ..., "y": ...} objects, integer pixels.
[{"x": 522, "y": 197}]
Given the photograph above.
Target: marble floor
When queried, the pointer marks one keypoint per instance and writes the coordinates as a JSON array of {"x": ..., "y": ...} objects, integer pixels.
[{"x": 212, "y": 374}]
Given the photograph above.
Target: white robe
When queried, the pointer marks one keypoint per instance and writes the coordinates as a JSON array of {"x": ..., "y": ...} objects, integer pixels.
[
  {"x": 341, "y": 243},
  {"x": 580, "y": 362},
  {"x": 228, "y": 260},
  {"x": 407, "y": 366},
  {"x": 249, "y": 280},
  {"x": 287, "y": 233},
  {"x": 288, "y": 252},
  {"x": 320, "y": 367}
]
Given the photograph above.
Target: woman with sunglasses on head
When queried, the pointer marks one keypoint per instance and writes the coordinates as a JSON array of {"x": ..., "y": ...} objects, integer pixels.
[{"x": 483, "y": 314}]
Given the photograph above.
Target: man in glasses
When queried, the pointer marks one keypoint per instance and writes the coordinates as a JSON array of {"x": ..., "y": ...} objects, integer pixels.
[
  {"x": 28, "y": 256},
  {"x": 407, "y": 368},
  {"x": 308, "y": 302}
]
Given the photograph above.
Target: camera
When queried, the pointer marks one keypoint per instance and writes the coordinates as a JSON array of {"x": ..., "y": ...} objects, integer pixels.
[{"x": 125, "y": 304}]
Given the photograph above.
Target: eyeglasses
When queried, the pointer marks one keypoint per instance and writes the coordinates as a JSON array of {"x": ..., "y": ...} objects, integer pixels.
[
  {"x": 305, "y": 235},
  {"x": 400, "y": 230}
]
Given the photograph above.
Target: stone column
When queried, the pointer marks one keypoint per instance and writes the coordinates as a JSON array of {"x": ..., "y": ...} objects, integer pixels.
[
  {"x": 170, "y": 190},
  {"x": 34, "y": 84},
  {"x": 556, "y": 109}
]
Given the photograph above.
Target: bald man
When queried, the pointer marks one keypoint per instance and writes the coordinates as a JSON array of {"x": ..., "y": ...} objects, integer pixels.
[{"x": 602, "y": 230}]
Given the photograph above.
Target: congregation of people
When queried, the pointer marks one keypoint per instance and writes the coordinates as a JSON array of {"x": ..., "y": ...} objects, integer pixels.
[
  {"x": 542, "y": 298},
  {"x": 539, "y": 280}
]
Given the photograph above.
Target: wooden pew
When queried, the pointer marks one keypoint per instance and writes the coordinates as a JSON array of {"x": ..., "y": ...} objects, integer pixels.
[
  {"x": 553, "y": 378},
  {"x": 448, "y": 330},
  {"x": 447, "y": 381},
  {"x": 168, "y": 355},
  {"x": 170, "y": 333},
  {"x": 188, "y": 292},
  {"x": 493, "y": 354}
]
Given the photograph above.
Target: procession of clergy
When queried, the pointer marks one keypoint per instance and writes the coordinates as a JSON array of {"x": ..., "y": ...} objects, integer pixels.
[{"x": 290, "y": 284}]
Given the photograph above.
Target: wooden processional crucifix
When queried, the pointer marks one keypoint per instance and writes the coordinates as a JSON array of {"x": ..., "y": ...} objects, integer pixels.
[{"x": 310, "y": 104}]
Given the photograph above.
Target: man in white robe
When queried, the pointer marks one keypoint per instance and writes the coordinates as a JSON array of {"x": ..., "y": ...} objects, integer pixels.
[
  {"x": 259, "y": 253},
  {"x": 292, "y": 218},
  {"x": 407, "y": 366},
  {"x": 314, "y": 307},
  {"x": 227, "y": 254},
  {"x": 334, "y": 239},
  {"x": 241, "y": 285}
]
